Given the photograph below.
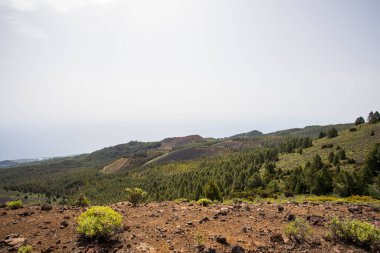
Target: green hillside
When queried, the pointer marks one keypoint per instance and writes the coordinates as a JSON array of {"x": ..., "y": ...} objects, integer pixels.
[
  {"x": 246, "y": 167},
  {"x": 356, "y": 144}
]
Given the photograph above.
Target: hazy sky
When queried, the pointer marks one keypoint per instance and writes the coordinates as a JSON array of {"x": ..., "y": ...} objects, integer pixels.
[{"x": 78, "y": 75}]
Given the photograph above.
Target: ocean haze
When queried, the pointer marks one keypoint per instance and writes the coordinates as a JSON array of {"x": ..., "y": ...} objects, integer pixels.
[{"x": 76, "y": 76}]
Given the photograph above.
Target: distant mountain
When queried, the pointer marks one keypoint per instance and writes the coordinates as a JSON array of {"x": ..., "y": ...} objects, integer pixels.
[
  {"x": 7, "y": 163},
  {"x": 250, "y": 134}
]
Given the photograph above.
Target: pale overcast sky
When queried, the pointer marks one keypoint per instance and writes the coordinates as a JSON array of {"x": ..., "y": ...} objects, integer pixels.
[{"x": 78, "y": 75}]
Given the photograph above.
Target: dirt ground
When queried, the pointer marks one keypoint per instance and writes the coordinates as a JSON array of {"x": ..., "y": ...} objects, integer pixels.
[{"x": 171, "y": 227}]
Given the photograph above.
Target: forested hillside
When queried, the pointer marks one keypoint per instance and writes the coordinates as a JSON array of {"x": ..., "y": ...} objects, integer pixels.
[{"x": 334, "y": 159}]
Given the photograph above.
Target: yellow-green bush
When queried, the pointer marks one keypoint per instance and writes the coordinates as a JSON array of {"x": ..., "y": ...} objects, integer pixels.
[
  {"x": 355, "y": 231},
  {"x": 181, "y": 200},
  {"x": 25, "y": 249},
  {"x": 204, "y": 202},
  {"x": 135, "y": 195},
  {"x": 82, "y": 201},
  {"x": 298, "y": 230},
  {"x": 98, "y": 222},
  {"x": 14, "y": 204}
]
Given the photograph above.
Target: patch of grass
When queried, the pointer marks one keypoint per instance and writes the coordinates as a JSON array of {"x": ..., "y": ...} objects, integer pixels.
[
  {"x": 14, "y": 204},
  {"x": 204, "y": 202},
  {"x": 357, "y": 232},
  {"x": 25, "y": 249},
  {"x": 98, "y": 222},
  {"x": 181, "y": 200}
]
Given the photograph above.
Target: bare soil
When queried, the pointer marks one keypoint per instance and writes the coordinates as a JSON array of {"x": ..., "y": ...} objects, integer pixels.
[{"x": 170, "y": 227}]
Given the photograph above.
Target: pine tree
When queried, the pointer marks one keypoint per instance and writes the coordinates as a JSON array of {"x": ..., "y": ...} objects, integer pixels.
[
  {"x": 321, "y": 135},
  {"x": 359, "y": 121},
  {"x": 212, "y": 191},
  {"x": 373, "y": 117},
  {"x": 331, "y": 157}
]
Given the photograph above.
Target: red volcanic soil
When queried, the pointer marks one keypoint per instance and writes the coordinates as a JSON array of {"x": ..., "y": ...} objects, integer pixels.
[{"x": 170, "y": 227}]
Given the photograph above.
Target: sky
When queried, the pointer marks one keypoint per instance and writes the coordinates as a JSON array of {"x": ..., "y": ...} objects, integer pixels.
[{"x": 80, "y": 75}]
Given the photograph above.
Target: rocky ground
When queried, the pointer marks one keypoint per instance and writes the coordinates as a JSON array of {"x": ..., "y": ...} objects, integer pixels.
[{"x": 170, "y": 227}]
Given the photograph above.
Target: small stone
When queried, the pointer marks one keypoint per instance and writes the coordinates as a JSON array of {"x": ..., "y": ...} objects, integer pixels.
[
  {"x": 210, "y": 250},
  {"x": 15, "y": 242},
  {"x": 277, "y": 238},
  {"x": 64, "y": 224},
  {"x": 223, "y": 211},
  {"x": 25, "y": 214},
  {"x": 355, "y": 209},
  {"x": 221, "y": 239},
  {"x": 46, "y": 207},
  {"x": 237, "y": 249},
  {"x": 205, "y": 219},
  {"x": 291, "y": 217}
]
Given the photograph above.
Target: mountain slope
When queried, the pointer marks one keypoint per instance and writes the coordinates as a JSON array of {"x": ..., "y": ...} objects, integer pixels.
[{"x": 356, "y": 144}]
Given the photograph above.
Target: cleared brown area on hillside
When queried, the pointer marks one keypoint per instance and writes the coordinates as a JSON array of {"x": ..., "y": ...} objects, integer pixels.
[{"x": 115, "y": 166}]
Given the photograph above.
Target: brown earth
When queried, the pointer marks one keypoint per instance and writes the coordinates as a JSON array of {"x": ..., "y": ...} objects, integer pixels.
[
  {"x": 170, "y": 227},
  {"x": 115, "y": 166}
]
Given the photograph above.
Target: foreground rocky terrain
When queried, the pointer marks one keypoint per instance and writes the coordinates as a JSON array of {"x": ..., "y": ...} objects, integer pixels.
[{"x": 185, "y": 227}]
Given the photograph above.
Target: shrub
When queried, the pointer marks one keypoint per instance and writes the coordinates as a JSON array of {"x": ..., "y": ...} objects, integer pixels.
[
  {"x": 25, "y": 249},
  {"x": 353, "y": 129},
  {"x": 14, "y": 204},
  {"x": 212, "y": 191},
  {"x": 82, "y": 201},
  {"x": 98, "y": 222},
  {"x": 135, "y": 195},
  {"x": 332, "y": 133},
  {"x": 204, "y": 202},
  {"x": 181, "y": 200},
  {"x": 298, "y": 230},
  {"x": 354, "y": 231}
]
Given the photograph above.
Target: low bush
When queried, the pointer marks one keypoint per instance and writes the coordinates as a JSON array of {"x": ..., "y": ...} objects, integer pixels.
[
  {"x": 298, "y": 230},
  {"x": 82, "y": 201},
  {"x": 98, "y": 222},
  {"x": 25, "y": 249},
  {"x": 327, "y": 146},
  {"x": 357, "y": 232},
  {"x": 14, "y": 204},
  {"x": 135, "y": 195},
  {"x": 204, "y": 202},
  {"x": 181, "y": 200}
]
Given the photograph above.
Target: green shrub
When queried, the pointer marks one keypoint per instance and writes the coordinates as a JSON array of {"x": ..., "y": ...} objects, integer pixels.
[
  {"x": 14, "y": 204},
  {"x": 82, "y": 201},
  {"x": 135, "y": 195},
  {"x": 298, "y": 230},
  {"x": 212, "y": 191},
  {"x": 25, "y": 249},
  {"x": 181, "y": 200},
  {"x": 98, "y": 222},
  {"x": 357, "y": 232},
  {"x": 204, "y": 202}
]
